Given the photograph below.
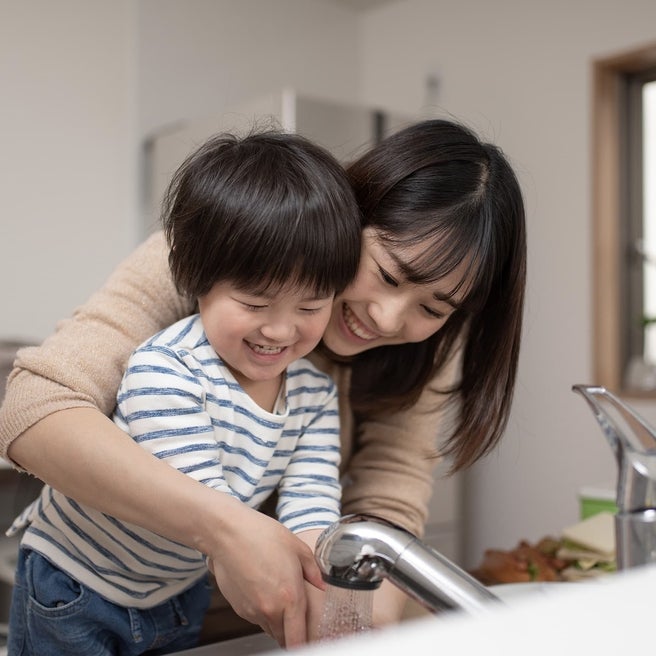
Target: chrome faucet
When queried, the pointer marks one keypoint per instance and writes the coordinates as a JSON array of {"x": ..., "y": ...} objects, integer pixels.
[
  {"x": 359, "y": 551},
  {"x": 633, "y": 442}
]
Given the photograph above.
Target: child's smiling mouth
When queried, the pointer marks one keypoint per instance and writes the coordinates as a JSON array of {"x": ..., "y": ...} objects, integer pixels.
[{"x": 264, "y": 349}]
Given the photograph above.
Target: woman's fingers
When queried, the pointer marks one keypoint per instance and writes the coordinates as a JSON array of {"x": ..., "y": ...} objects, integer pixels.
[{"x": 261, "y": 568}]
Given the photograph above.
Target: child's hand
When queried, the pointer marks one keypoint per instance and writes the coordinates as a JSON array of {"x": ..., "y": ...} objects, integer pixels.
[{"x": 315, "y": 597}]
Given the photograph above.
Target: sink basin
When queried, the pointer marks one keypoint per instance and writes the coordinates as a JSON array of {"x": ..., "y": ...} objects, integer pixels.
[{"x": 511, "y": 594}]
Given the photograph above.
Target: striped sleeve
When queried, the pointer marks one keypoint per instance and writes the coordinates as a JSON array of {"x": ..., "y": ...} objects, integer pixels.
[
  {"x": 162, "y": 405},
  {"x": 309, "y": 491}
]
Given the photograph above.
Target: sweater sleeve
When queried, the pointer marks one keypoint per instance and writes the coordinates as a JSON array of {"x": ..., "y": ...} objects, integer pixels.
[
  {"x": 390, "y": 473},
  {"x": 309, "y": 491},
  {"x": 82, "y": 362}
]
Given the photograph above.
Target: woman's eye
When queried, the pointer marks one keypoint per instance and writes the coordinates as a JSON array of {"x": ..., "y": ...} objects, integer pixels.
[
  {"x": 433, "y": 313},
  {"x": 387, "y": 278}
]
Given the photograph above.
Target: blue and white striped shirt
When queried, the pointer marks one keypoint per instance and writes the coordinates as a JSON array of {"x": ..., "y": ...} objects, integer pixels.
[{"x": 179, "y": 401}]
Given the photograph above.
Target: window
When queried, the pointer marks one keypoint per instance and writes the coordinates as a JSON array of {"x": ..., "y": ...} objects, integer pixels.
[
  {"x": 645, "y": 152},
  {"x": 624, "y": 220}
]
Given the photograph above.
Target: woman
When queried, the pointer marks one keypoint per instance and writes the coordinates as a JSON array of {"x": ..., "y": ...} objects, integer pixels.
[{"x": 423, "y": 347}]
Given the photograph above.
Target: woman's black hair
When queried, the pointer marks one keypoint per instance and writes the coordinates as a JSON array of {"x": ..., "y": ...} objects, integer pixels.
[
  {"x": 267, "y": 210},
  {"x": 437, "y": 184}
]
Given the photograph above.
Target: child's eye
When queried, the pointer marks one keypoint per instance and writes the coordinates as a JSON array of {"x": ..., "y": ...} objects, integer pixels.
[
  {"x": 387, "y": 277},
  {"x": 252, "y": 307},
  {"x": 310, "y": 310}
]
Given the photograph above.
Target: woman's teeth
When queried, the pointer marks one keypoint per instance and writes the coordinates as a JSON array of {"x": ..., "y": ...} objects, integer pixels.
[
  {"x": 355, "y": 326},
  {"x": 266, "y": 350}
]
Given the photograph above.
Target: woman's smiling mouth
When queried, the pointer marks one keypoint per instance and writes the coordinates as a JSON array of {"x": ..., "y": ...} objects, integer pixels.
[{"x": 355, "y": 325}]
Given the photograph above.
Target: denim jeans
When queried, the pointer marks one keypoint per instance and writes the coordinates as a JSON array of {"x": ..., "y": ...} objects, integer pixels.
[{"x": 52, "y": 614}]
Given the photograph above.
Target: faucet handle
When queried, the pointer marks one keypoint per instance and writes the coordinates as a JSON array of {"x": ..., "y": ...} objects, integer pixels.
[
  {"x": 621, "y": 424},
  {"x": 633, "y": 441}
]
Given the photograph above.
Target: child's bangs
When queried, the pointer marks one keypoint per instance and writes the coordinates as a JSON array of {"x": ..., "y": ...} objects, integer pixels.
[{"x": 290, "y": 260}]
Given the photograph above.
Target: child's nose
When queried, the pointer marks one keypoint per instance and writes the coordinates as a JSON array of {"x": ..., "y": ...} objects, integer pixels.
[{"x": 279, "y": 331}]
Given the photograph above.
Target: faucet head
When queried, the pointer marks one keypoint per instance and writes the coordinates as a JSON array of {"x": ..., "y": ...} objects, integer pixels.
[{"x": 358, "y": 551}]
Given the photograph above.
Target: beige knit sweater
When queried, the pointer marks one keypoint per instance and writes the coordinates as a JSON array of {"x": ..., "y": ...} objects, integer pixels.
[{"x": 386, "y": 461}]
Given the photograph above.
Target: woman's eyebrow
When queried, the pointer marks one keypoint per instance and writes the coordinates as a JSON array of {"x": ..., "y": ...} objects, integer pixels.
[
  {"x": 408, "y": 272},
  {"x": 446, "y": 298},
  {"x": 401, "y": 266}
]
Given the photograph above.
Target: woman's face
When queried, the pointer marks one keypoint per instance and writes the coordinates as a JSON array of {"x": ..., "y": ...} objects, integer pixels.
[{"x": 381, "y": 307}]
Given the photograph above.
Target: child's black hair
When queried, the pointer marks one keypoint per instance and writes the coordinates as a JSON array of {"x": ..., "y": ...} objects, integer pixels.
[{"x": 267, "y": 210}]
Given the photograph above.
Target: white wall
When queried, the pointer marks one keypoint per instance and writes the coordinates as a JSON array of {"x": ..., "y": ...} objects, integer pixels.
[
  {"x": 67, "y": 176},
  {"x": 199, "y": 57},
  {"x": 85, "y": 81},
  {"x": 519, "y": 72}
]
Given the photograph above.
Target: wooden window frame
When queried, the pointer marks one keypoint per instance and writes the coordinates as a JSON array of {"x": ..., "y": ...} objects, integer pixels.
[{"x": 608, "y": 205}]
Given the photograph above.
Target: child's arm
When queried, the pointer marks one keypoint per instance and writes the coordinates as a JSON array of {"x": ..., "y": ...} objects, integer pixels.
[{"x": 309, "y": 493}]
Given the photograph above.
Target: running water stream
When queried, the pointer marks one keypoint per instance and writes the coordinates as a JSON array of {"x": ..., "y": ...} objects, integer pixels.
[{"x": 345, "y": 612}]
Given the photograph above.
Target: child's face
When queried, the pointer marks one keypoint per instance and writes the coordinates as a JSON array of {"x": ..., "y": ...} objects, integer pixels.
[{"x": 258, "y": 336}]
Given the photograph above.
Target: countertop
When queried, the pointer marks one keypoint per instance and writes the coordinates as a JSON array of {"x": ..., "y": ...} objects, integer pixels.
[{"x": 612, "y": 615}]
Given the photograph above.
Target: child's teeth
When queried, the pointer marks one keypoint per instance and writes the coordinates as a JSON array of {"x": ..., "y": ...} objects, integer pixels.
[{"x": 269, "y": 350}]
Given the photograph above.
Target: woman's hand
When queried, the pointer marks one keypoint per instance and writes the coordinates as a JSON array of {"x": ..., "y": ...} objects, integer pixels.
[{"x": 263, "y": 570}]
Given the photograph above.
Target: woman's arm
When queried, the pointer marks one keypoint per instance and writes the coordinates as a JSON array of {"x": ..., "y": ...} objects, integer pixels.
[{"x": 81, "y": 364}]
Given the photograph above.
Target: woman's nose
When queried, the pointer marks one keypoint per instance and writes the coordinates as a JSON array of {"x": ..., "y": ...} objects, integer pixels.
[{"x": 389, "y": 316}]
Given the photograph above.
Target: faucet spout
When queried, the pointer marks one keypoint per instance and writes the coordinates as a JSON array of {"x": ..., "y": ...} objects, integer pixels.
[
  {"x": 360, "y": 551},
  {"x": 633, "y": 442}
]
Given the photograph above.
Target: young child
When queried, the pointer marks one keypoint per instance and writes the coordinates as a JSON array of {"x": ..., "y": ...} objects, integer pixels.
[{"x": 263, "y": 232}]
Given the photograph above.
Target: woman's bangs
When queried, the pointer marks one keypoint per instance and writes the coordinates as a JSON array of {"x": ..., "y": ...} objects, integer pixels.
[{"x": 441, "y": 255}]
